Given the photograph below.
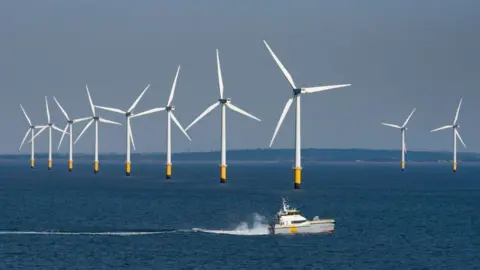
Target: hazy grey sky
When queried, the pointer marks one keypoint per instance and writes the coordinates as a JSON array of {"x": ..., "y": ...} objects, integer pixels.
[{"x": 397, "y": 55}]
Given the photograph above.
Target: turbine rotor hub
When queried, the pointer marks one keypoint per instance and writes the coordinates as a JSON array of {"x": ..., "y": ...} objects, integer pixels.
[
  {"x": 96, "y": 118},
  {"x": 50, "y": 124},
  {"x": 128, "y": 114},
  {"x": 456, "y": 126},
  {"x": 169, "y": 108},
  {"x": 297, "y": 91},
  {"x": 70, "y": 121}
]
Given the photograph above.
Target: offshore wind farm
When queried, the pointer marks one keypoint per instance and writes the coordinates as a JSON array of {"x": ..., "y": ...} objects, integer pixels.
[{"x": 223, "y": 102}]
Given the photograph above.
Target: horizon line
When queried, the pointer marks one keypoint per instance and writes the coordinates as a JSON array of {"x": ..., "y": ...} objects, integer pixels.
[{"x": 241, "y": 149}]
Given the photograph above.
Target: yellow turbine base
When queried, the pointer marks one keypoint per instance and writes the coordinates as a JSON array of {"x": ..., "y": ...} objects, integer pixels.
[
  {"x": 403, "y": 165},
  {"x": 298, "y": 177},
  {"x": 454, "y": 166},
  {"x": 95, "y": 167},
  {"x": 168, "y": 171},
  {"x": 49, "y": 164},
  {"x": 32, "y": 163},
  {"x": 128, "y": 166},
  {"x": 223, "y": 174}
]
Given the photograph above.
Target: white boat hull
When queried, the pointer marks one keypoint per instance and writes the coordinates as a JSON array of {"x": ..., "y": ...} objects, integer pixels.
[{"x": 320, "y": 226}]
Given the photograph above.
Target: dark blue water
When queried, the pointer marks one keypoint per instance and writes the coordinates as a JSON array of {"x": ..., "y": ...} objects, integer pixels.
[{"x": 424, "y": 218}]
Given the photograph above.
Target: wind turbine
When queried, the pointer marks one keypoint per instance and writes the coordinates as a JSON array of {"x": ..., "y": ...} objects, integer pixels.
[
  {"x": 226, "y": 103},
  {"x": 50, "y": 127},
  {"x": 170, "y": 116},
  {"x": 297, "y": 92},
  {"x": 69, "y": 126},
  {"x": 456, "y": 134},
  {"x": 94, "y": 118},
  {"x": 129, "y": 114},
  {"x": 31, "y": 131},
  {"x": 402, "y": 128}
]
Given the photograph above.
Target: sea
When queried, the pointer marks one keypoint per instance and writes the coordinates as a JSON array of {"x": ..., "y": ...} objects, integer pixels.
[{"x": 426, "y": 217}]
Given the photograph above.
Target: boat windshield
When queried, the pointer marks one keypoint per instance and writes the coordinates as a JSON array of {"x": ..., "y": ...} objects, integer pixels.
[{"x": 299, "y": 221}]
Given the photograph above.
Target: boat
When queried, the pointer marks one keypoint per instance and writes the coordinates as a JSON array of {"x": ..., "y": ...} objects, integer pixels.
[{"x": 290, "y": 221}]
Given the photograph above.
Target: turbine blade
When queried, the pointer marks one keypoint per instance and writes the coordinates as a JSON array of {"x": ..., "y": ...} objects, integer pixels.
[
  {"x": 209, "y": 109},
  {"x": 282, "y": 68},
  {"x": 148, "y": 112},
  {"x": 237, "y": 109},
  {"x": 38, "y": 133},
  {"x": 282, "y": 117},
  {"x": 408, "y": 118},
  {"x": 138, "y": 99},
  {"x": 81, "y": 119},
  {"x": 84, "y": 129},
  {"x": 130, "y": 134},
  {"x": 58, "y": 129},
  {"x": 391, "y": 125},
  {"x": 460, "y": 138},
  {"x": 90, "y": 100},
  {"x": 63, "y": 135},
  {"x": 111, "y": 109},
  {"x": 24, "y": 138},
  {"x": 26, "y": 116},
  {"x": 180, "y": 126},
  {"x": 48, "y": 111},
  {"x": 61, "y": 108},
  {"x": 309, "y": 90},
  {"x": 170, "y": 98},
  {"x": 109, "y": 122},
  {"x": 220, "y": 78},
  {"x": 440, "y": 128},
  {"x": 458, "y": 110}
]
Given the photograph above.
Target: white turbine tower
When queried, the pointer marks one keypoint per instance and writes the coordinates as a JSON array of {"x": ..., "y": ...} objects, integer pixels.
[
  {"x": 129, "y": 135},
  {"x": 225, "y": 102},
  {"x": 456, "y": 134},
  {"x": 94, "y": 118},
  {"x": 31, "y": 131},
  {"x": 69, "y": 126},
  {"x": 402, "y": 128},
  {"x": 297, "y": 92},
  {"x": 170, "y": 116},
  {"x": 50, "y": 127}
]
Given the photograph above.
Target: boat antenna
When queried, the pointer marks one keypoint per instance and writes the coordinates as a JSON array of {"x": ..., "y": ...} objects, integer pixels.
[{"x": 284, "y": 204}]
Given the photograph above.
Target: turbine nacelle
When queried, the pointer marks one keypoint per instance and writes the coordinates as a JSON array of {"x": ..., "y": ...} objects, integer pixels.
[
  {"x": 224, "y": 100},
  {"x": 297, "y": 91},
  {"x": 170, "y": 108},
  {"x": 96, "y": 118},
  {"x": 456, "y": 126}
]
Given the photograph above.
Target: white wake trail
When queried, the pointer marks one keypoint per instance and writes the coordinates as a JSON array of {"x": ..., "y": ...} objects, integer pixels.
[
  {"x": 259, "y": 227},
  {"x": 81, "y": 233}
]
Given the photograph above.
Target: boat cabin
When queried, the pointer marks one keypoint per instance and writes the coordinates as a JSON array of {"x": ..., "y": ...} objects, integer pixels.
[{"x": 287, "y": 216}]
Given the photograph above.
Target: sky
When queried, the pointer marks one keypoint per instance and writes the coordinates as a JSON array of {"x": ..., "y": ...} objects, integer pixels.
[{"x": 398, "y": 55}]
